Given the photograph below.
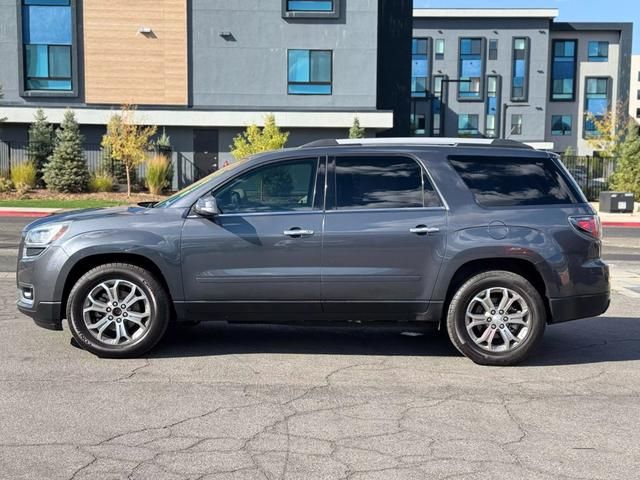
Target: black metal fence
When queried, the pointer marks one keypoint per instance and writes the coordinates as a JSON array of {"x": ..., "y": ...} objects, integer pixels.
[
  {"x": 591, "y": 173},
  {"x": 185, "y": 171}
]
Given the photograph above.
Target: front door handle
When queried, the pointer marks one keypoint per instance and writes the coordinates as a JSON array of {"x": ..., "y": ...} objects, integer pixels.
[
  {"x": 298, "y": 232},
  {"x": 423, "y": 230}
]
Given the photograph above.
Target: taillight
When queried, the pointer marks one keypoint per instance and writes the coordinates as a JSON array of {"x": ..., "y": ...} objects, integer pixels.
[{"x": 589, "y": 224}]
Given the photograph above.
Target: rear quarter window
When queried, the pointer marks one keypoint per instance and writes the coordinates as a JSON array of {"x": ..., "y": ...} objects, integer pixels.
[{"x": 513, "y": 181}]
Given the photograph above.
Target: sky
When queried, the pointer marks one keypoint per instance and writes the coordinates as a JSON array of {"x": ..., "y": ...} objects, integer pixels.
[{"x": 570, "y": 10}]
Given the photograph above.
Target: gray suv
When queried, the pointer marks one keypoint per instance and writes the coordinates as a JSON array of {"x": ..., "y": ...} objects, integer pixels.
[{"x": 488, "y": 240}]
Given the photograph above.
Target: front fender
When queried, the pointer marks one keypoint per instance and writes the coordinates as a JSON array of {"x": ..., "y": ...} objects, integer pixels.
[{"x": 162, "y": 251}]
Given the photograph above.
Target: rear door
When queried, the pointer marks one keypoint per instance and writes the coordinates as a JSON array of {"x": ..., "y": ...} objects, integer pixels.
[{"x": 384, "y": 237}]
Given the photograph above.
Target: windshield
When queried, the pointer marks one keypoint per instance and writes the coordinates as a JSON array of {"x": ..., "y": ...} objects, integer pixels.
[{"x": 187, "y": 190}]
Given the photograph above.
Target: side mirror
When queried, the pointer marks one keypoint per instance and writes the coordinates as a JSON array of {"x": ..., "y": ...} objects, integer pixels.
[{"x": 206, "y": 207}]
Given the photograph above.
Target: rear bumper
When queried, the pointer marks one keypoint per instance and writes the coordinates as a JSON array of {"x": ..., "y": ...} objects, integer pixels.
[{"x": 579, "y": 306}]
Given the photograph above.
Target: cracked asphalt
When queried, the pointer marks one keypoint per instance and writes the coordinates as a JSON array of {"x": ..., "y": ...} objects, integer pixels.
[{"x": 264, "y": 402}]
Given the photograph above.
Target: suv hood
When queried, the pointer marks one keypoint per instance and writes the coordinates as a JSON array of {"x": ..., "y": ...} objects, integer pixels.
[{"x": 88, "y": 214}]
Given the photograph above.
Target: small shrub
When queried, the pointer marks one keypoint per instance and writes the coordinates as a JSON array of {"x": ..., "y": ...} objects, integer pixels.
[
  {"x": 24, "y": 176},
  {"x": 101, "y": 182},
  {"x": 6, "y": 185},
  {"x": 158, "y": 168}
]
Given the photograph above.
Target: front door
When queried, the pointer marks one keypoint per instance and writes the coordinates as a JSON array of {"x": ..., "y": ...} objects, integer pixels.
[
  {"x": 384, "y": 237},
  {"x": 261, "y": 257},
  {"x": 205, "y": 151}
]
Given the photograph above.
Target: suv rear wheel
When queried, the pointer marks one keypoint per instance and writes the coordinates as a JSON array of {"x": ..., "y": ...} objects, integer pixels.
[
  {"x": 496, "y": 318},
  {"x": 118, "y": 310}
]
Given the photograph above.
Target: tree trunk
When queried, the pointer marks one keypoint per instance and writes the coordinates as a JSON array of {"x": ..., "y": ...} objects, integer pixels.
[{"x": 128, "y": 181}]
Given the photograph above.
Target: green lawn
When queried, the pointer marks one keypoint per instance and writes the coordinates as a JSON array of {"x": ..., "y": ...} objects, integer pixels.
[{"x": 44, "y": 203}]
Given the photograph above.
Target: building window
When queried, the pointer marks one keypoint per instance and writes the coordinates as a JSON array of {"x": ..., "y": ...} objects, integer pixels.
[
  {"x": 520, "y": 70},
  {"x": 516, "y": 124},
  {"x": 637, "y": 112},
  {"x": 310, "y": 8},
  {"x": 596, "y": 104},
  {"x": 418, "y": 124},
  {"x": 491, "y": 124},
  {"x": 467, "y": 124},
  {"x": 563, "y": 70},
  {"x": 493, "y": 49},
  {"x": 598, "y": 51},
  {"x": 47, "y": 37},
  {"x": 439, "y": 83},
  {"x": 471, "y": 69},
  {"x": 310, "y": 72},
  {"x": 561, "y": 125},
  {"x": 419, "y": 67},
  {"x": 638, "y": 94},
  {"x": 440, "y": 49}
]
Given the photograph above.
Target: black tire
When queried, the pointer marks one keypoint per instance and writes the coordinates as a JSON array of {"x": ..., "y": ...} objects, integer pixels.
[
  {"x": 456, "y": 318},
  {"x": 159, "y": 305}
]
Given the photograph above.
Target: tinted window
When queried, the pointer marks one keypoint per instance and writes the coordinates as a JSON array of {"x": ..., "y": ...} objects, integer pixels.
[
  {"x": 382, "y": 182},
  {"x": 513, "y": 181},
  {"x": 285, "y": 186}
]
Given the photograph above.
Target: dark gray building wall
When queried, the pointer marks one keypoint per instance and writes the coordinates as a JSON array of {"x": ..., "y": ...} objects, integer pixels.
[
  {"x": 504, "y": 30},
  {"x": 250, "y": 70}
]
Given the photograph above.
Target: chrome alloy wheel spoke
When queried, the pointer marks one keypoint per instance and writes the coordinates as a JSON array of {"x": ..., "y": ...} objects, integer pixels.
[
  {"x": 497, "y": 319},
  {"x": 117, "y": 312}
]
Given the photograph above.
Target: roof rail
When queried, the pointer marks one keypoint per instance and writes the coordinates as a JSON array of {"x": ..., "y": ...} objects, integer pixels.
[{"x": 418, "y": 141}]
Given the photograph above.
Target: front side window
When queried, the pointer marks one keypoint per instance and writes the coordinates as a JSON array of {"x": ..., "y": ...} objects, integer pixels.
[
  {"x": 382, "y": 182},
  {"x": 491, "y": 127},
  {"x": 598, "y": 51},
  {"x": 310, "y": 72},
  {"x": 505, "y": 181},
  {"x": 561, "y": 125},
  {"x": 467, "y": 124},
  {"x": 516, "y": 124},
  {"x": 47, "y": 37},
  {"x": 281, "y": 187},
  {"x": 419, "y": 67},
  {"x": 596, "y": 104},
  {"x": 563, "y": 70},
  {"x": 520, "y": 69}
]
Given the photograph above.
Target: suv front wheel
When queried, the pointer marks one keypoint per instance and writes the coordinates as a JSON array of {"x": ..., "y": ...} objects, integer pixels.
[
  {"x": 496, "y": 318},
  {"x": 118, "y": 310}
]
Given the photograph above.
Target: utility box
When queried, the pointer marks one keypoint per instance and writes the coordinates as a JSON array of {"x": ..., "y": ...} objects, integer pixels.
[{"x": 616, "y": 202}]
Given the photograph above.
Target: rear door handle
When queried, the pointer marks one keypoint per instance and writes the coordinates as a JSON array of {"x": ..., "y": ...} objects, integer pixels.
[
  {"x": 423, "y": 230},
  {"x": 298, "y": 232}
]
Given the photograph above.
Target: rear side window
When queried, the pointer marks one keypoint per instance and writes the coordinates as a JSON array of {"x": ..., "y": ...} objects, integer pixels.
[
  {"x": 382, "y": 182},
  {"x": 506, "y": 181}
]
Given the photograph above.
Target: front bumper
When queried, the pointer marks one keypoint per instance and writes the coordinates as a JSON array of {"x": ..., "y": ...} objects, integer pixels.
[
  {"x": 42, "y": 274},
  {"x": 578, "y": 306}
]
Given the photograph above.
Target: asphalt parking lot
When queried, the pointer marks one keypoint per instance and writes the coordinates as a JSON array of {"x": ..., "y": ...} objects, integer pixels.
[{"x": 262, "y": 402}]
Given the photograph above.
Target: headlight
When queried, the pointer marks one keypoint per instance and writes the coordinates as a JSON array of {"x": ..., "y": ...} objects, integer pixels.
[{"x": 43, "y": 236}]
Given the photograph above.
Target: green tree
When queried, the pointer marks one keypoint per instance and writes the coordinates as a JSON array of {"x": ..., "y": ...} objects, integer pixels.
[
  {"x": 356, "y": 131},
  {"x": 127, "y": 141},
  {"x": 609, "y": 131},
  {"x": 255, "y": 139},
  {"x": 41, "y": 140},
  {"x": 627, "y": 175},
  {"x": 67, "y": 169}
]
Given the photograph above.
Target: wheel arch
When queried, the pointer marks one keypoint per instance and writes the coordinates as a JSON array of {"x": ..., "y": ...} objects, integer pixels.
[
  {"x": 84, "y": 264},
  {"x": 519, "y": 266}
]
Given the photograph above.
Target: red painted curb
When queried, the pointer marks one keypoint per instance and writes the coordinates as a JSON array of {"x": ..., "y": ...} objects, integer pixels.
[
  {"x": 10, "y": 213},
  {"x": 621, "y": 224}
]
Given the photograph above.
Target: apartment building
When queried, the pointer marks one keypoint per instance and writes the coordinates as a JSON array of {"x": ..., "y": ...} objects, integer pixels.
[
  {"x": 516, "y": 74},
  {"x": 634, "y": 93},
  {"x": 205, "y": 69}
]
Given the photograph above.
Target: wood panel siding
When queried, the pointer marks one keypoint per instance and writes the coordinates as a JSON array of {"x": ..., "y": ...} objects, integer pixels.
[{"x": 122, "y": 65}]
